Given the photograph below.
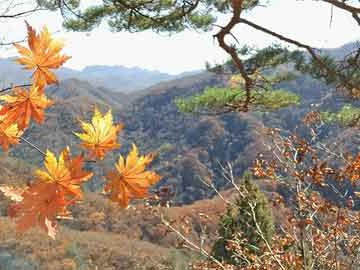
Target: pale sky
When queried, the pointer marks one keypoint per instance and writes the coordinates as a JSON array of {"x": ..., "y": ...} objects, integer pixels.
[{"x": 307, "y": 21}]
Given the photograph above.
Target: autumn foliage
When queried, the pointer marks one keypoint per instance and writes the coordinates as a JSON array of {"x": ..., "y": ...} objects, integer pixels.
[
  {"x": 100, "y": 136},
  {"x": 316, "y": 197},
  {"x": 42, "y": 55},
  {"x": 58, "y": 185},
  {"x": 130, "y": 180}
]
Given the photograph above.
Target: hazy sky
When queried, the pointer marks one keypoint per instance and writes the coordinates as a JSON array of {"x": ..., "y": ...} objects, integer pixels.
[{"x": 308, "y": 21}]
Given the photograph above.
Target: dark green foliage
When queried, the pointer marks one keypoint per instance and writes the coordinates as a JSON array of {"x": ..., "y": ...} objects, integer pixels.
[
  {"x": 348, "y": 116},
  {"x": 55, "y": 4},
  {"x": 238, "y": 224},
  {"x": 139, "y": 15}
]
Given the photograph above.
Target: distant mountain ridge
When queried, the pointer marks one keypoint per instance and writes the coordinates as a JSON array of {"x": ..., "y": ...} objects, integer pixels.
[
  {"x": 121, "y": 79},
  {"x": 115, "y": 78}
]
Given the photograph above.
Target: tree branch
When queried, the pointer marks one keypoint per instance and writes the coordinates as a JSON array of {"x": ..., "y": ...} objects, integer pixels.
[
  {"x": 14, "y": 86},
  {"x": 356, "y": 17},
  {"x": 192, "y": 245},
  {"x": 16, "y": 15},
  {"x": 343, "y": 5},
  {"x": 310, "y": 50},
  {"x": 32, "y": 145},
  {"x": 231, "y": 50}
]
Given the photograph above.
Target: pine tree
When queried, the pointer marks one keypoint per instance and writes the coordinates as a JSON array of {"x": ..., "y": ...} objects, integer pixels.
[{"x": 238, "y": 225}]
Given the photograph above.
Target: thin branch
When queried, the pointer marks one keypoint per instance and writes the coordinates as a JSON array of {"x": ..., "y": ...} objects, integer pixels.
[
  {"x": 212, "y": 186},
  {"x": 261, "y": 234},
  {"x": 191, "y": 244},
  {"x": 15, "y": 86},
  {"x": 11, "y": 43},
  {"x": 356, "y": 17},
  {"x": 310, "y": 50},
  {"x": 343, "y": 5},
  {"x": 16, "y": 15},
  {"x": 32, "y": 145},
  {"x": 336, "y": 236},
  {"x": 134, "y": 8},
  {"x": 42, "y": 152}
]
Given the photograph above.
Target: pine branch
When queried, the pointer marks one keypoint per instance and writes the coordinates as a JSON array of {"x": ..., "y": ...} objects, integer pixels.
[
  {"x": 220, "y": 36},
  {"x": 310, "y": 50}
]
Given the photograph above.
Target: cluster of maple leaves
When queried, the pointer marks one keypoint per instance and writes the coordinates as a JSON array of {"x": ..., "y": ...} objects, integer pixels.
[{"x": 58, "y": 185}]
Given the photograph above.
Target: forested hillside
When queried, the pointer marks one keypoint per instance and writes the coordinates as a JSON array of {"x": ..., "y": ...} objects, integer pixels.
[{"x": 190, "y": 146}]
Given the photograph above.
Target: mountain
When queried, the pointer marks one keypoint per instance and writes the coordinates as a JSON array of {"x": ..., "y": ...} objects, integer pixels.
[
  {"x": 114, "y": 78},
  {"x": 342, "y": 50},
  {"x": 189, "y": 147},
  {"x": 122, "y": 79},
  {"x": 12, "y": 73}
]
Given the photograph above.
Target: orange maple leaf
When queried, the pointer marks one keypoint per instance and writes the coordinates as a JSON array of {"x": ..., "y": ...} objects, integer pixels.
[
  {"x": 24, "y": 105},
  {"x": 66, "y": 172},
  {"x": 42, "y": 55},
  {"x": 130, "y": 180},
  {"x": 9, "y": 133},
  {"x": 100, "y": 136},
  {"x": 41, "y": 204}
]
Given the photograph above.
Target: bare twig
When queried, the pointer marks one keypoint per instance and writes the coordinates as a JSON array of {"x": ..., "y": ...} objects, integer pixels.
[
  {"x": 261, "y": 234},
  {"x": 191, "y": 244},
  {"x": 17, "y": 15},
  {"x": 32, "y": 145}
]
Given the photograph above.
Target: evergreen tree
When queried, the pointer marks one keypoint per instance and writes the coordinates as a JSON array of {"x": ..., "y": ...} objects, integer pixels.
[{"x": 238, "y": 224}]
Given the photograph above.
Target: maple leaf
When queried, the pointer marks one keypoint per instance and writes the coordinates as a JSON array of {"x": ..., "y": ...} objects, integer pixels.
[
  {"x": 100, "y": 136},
  {"x": 24, "y": 105},
  {"x": 130, "y": 180},
  {"x": 41, "y": 204},
  {"x": 42, "y": 55},
  {"x": 9, "y": 133},
  {"x": 66, "y": 172}
]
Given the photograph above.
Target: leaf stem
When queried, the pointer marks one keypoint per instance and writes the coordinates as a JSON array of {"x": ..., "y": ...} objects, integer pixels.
[
  {"x": 32, "y": 145},
  {"x": 42, "y": 152}
]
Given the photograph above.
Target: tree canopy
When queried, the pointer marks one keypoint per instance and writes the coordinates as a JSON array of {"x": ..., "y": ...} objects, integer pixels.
[{"x": 177, "y": 15}]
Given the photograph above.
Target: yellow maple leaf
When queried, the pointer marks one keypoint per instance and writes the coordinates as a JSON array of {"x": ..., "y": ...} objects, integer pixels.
[
  {"x": 47, "y": 199},
  {"x": 100, "y": 136},
  {"x": 42, "y": 55},
  {"x": 65, "y": 172},
  {"x": 130, "y": 180}
]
